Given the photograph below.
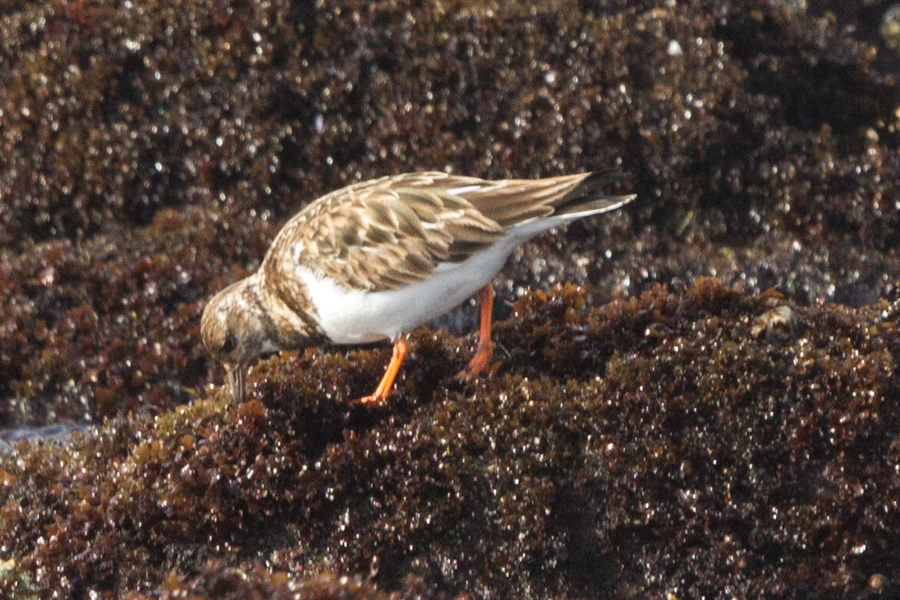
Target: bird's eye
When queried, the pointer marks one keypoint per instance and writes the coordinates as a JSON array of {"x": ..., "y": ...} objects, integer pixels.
[{"x": 229, "y": 344}]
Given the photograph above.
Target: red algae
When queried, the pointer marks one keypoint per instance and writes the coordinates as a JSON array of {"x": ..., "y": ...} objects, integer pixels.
[
  {"x": 218, "y": 584},
  {"x": 675, "y": 452}
]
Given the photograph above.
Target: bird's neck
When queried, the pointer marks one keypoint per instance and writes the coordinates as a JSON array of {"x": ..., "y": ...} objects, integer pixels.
[{"x": 293, "y": 326}]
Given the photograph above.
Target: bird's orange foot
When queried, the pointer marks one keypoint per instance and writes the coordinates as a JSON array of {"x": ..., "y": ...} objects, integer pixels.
[
  {"x": 480, "y": 363},
  {"x": 377, "y": 398},
  {"x": 372, "y": 400}
]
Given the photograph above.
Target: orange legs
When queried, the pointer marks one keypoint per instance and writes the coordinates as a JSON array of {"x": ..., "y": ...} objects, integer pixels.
[
  {"x": 481, "y": 362},
  {"x": 401, "y": 346}
]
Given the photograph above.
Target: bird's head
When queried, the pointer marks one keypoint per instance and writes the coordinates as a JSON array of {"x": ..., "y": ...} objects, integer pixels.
[{"x": 234, "y": 331}]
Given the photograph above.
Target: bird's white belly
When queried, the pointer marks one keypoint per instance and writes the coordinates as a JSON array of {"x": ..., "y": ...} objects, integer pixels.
[{"x": 349, "y": 316}]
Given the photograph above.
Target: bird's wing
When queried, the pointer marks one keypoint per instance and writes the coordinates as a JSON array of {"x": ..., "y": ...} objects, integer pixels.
[{"x": 387, "y": 233}]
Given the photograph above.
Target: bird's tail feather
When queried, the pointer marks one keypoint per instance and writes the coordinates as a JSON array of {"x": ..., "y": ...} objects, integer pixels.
[{"x": 587, "y": 197}]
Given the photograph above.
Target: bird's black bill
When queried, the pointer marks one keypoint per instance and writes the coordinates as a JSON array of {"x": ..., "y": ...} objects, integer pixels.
[{"x": 236, "y": 386}]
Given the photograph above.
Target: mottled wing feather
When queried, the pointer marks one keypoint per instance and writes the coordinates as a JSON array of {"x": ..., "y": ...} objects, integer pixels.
[
  {"x": 385, "y": 234},
  {"x": 382, "y": 234}
]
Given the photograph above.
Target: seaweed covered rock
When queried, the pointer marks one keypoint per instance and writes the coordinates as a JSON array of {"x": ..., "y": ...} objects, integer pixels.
[
  {"x": 685, "y": 441},
  {"x": 636, "y": 439},
  {"x": 154, "y": 147},
  {"x": 215, "y": 583},
  {"x": 111, "y": 325}
]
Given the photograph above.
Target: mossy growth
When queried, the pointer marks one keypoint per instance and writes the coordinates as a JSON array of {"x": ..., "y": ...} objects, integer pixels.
[{"x": 665, "y": 442}]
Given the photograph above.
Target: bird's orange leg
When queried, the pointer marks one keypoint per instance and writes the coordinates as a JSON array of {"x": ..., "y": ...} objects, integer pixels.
[
  {"x": 401, "y": 346},
  {"x": 481, "y": 362}
]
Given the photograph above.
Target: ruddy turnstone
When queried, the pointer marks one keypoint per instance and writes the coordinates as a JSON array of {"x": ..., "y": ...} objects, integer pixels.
[{"x": 374, "y": 260}]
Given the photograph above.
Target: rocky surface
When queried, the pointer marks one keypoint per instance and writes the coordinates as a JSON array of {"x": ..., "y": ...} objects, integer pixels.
[{"x": 650, "y": 433}]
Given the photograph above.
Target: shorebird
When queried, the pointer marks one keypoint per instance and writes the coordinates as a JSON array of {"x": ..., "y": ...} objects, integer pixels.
[{"x": 374, "y": 260}]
